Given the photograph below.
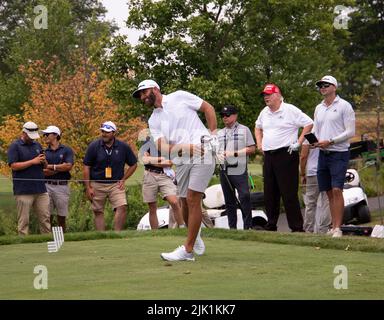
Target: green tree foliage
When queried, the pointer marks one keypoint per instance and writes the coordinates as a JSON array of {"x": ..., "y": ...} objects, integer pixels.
[
  {"x": 226, "y": 50},
  {"x": 74, "y": 29},
  {"x": 365, "y": 50}
]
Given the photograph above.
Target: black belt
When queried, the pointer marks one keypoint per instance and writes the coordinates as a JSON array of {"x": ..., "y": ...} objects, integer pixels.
[
  {"x": 58, "y": 182},
  {"x": 277, "y": 150},
  {"x": 155, "y": 171},
  {"x": 329, "y": 152}
]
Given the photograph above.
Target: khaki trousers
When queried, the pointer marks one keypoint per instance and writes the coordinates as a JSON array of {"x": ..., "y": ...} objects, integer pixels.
[{"x": 40, "y": 203}]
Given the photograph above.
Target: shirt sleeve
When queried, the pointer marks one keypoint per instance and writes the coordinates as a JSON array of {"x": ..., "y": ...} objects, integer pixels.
[
  {"x": 69, "y": 157},
  {"x": 12, "y": 154},
  {"x": 301, "y": 119},
  {"x": 250, "y": 140},
  {"x": 130, "y": 157},
  {"x": 192, "y": 101},
  {"x": 90, "y": 155},
  {"x": 259, "y": 122}
]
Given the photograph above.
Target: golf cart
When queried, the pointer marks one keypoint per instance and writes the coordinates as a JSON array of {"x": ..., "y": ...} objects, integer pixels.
[
  {"x": 214, "y": 202},
  {"x": 356, "y": 210}
]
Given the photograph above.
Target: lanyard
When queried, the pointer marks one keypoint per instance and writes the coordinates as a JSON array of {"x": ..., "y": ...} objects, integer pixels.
[{"x": 232, "y": 135}]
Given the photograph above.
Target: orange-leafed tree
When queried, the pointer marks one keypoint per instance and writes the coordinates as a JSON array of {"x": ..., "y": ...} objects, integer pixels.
[{"x": 76, "y": 102}]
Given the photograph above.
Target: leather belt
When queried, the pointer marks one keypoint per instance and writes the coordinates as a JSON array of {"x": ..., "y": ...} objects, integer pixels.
[
  {"x": 277, "y": 150},
  {"x": 58, "y": 182},
  {"x": 155, "y": 171}
]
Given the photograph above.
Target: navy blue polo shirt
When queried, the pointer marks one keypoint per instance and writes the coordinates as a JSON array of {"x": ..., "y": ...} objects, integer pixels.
[
  {"x": 62, "y": 154},
  {"x": 19, "y": 151},
  {"x": 150, "y": 147},
  {"x": 99, "y": 157}
]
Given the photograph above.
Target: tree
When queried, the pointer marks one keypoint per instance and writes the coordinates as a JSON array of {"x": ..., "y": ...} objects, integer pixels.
[
  {"x": 364, "y": 51},
  {"x": 77, "y": 104},
  {"x": 226, "y": 50},
  {"x": 74, "y": 29}
]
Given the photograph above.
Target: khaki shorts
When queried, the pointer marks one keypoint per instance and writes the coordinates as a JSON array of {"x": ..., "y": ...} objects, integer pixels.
[
  {"x": 102, "y": 191},
  {"x": 155, "y": 182}
]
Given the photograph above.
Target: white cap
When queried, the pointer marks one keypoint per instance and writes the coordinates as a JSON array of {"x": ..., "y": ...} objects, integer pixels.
[
  {"x": 31, "y": 129},
  {"x": 52, "y": 129},
  {"x": 328, "y": 79},
  {"x": 108, "y": 126},
  {"x": 145, "y": 85}
]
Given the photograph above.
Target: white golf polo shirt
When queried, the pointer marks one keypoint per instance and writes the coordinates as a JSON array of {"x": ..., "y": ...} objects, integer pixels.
[
  {"x": 281, "y": 128},
  {"x": 178, "y": 121},
  {"x": 337, "y": 122}
]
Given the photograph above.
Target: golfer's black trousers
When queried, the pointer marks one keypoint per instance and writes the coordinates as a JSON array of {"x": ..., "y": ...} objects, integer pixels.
[{"x": 281, "y": 179}]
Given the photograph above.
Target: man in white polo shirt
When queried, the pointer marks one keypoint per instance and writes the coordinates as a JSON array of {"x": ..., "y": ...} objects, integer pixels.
[
  {"x": 177, "y": 130},
  {"x": 334, "y": 125},
  {"x": 276, "y": 134}
]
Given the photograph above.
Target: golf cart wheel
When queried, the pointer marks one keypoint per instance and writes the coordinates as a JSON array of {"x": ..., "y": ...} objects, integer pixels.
[{"x": 363, "y": 214}]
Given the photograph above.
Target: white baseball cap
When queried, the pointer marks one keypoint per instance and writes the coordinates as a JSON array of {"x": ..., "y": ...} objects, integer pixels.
[
  {"x": 52, "y": 129},
  {"x": 31, "y": 129},
  {"x": 144, "y": 85},
  {"x": 108, "y": 126},
  {"x": 328, "y": 79}
]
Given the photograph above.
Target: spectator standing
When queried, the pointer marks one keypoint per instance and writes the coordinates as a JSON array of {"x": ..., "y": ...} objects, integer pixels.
[
  {"x": 159, "y": 176},
  {"x": 27, "y": 161},
  {"x": 334, "y": 125},
  {"x": 57, "y": 174},
  {"x": 177, "y": 129},
  {"x": 104, "y": 175},
  {"x": 317, "y": 217},
  {"x": 236, "y": 144},
  {"x": 276, "y": 134}
]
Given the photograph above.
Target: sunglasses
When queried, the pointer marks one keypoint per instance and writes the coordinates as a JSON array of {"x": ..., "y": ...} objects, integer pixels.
[
  {"x": 108, "y": 127},
  {"x": 46, "y": 134},
  {"x": 324, "y": 85},
  {"x": 225, "y": 115}
]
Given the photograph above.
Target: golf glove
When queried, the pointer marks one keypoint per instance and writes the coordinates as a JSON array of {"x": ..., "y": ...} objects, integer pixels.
[{"x": 293, "y": 147}]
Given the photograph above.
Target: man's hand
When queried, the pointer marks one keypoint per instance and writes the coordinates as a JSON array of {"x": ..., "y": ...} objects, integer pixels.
[
  {"x": 294, "y": 147},
  {"x": 90, "y": 193},
  {"x": 40, "y": 159},
  {"x": 121, "y": 184},
  {"x": 322, "y": 144},
  {"x": 303, "y": 180}
]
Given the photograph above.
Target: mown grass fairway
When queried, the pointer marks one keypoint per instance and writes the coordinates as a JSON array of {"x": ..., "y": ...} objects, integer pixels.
[{"x": 130, "y": 268}]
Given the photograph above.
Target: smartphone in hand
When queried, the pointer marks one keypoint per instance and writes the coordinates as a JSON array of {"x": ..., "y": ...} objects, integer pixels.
[{"x": 311, "y": 138}]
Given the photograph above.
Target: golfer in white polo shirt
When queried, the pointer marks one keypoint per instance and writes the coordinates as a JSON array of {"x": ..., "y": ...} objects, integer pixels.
[
  {"x": 334, "y": 125},
  {"x": 277, "y": 136},
  {"x": 178, "y": 130}
]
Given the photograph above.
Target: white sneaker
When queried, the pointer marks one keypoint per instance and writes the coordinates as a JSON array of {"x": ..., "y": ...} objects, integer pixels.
[
  {"x": 337, "y": 233},
  {"x": 179, "y": 254},
  {"x": 199, "y": 246},
  {"x": 330, "y": 232}
]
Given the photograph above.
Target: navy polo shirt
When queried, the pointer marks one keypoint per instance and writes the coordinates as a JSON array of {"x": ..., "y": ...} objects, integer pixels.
[
  {"x": 99, "y": 157},
  {"x": 19, "y": 151},
  {"x": 150, "y": 147},
  {"x": 62, "y": 154}
]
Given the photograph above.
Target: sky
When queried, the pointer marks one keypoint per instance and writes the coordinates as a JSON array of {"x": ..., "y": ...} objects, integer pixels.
[{"x": 118, "y": 11}]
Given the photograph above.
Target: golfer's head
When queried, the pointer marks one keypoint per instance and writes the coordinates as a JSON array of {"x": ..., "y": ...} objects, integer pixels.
[
  {"x": 148, "y": 91},
  {"x": 272, "y": 95},
  {"x": 108, "y": 130}
]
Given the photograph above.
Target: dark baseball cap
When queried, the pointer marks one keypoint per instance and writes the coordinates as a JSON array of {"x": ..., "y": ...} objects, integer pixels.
[{"x": 228, "y": 110}]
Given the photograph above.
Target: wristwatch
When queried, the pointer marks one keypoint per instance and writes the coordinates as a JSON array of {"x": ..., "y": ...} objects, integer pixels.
[{"x": 331, "y": 141}]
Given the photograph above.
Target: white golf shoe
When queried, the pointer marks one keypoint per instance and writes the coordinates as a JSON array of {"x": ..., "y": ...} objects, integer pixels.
[
  {"x": 179, "y": 254},
  {"x": 337, "y": 233},
  {"x": 199, "y": 246}
]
